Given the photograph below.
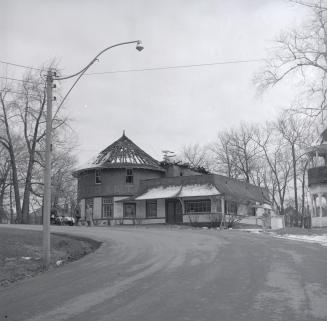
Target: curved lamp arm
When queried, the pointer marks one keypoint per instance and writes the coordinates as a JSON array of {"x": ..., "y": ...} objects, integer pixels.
[{"x": 139, "y": 47}]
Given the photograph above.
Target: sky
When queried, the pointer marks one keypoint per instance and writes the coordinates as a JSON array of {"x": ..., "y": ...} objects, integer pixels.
[{"x": 158, "y": 109}]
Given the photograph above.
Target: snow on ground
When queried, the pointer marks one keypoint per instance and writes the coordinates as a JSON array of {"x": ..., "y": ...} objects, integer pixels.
[{"x": 320, "y": 239}]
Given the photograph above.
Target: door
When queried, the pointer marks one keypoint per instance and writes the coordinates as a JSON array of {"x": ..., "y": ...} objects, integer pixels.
[{"x": 174, "y": 213}]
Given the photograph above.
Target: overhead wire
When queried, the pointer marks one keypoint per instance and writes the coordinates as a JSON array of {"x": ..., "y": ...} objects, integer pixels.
[
  {"x": 150, "y": 68},
  {"x": 18, "y": 65},
  {"x": 19, "y": 93},
  {"x": 21, "y": 80},
  {"x": 176, "y": 67}
]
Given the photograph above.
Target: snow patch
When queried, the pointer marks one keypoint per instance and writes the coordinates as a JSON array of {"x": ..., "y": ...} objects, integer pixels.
[
  {"x": 319, "y": 239},
  {"x": 198, "y": 190},
  {"x": 160, "y": 192},
  {"x": 179, "y": 191}
]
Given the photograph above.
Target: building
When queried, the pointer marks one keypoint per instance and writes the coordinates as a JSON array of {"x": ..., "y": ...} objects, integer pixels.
[
  {"x": 317, "y": 182},
  {"x": 125, "y": 185}
]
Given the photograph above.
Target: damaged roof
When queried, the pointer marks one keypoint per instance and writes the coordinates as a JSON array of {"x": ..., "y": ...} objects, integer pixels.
[
  {"x": 201, "y": 185},
  {"x": 121, "y": 154}
]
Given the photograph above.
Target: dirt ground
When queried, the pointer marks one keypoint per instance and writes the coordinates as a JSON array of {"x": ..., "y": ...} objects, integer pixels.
[
  {"x": 21, "y": 251},
  {"x": 180, "y": 274}
]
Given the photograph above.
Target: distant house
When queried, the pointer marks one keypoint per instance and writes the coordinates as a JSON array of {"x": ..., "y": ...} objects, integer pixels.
[
  {"x": 125, "y": 185},
  {"x": 317, "y": 182}
]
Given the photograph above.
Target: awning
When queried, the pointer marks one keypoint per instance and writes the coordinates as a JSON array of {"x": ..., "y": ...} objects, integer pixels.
[{"x": 178, "y": 191}]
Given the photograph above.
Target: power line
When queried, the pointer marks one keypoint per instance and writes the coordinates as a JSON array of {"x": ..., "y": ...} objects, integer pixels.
[
  {"x": 148, "y": 69},
  {"x": 21, "y": 80},
  {"x": 175, "y": 67},
  {"x": 19, "y": 93},
  {"x": 17, "y": 65}
]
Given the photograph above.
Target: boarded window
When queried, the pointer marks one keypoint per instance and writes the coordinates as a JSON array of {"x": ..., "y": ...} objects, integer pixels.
[
  {"x": 230, "y": 207},
  {"x": 151, "y": 208},
  {"x": 129, "y": 210},
  {"x": 107, "y": 207},
  {"x": 198, "y": 206},
  {"x": 97, "y": 176},
  {"x": 89, "y": 201},
  {"x": 129, "y": 176}
]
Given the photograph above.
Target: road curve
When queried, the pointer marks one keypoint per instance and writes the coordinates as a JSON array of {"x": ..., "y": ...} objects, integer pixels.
[{"x": 169, "y": 273}]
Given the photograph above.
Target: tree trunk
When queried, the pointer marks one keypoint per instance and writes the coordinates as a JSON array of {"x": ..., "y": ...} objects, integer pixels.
[
  {"x": 295, "y": 186},
  {"x": 303, "y": 192},
  {"x": 27, "y": 190},
  {"x": 10, "y": 149}
]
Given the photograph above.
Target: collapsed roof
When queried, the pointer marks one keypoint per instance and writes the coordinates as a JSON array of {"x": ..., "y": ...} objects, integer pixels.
[{"x": 121, "y": 154}]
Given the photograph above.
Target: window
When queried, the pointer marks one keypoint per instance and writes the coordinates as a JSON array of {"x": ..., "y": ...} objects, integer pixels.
[
  {"x": 219, "y": 205},
  {"x": 129, "y": 176},
  {"x": 89, "y": 201},
  {"x": 198, "y": 206},
  {"x": 107, "y": 207},
  {"x": 97, "y": 176},
  {"x": 129, "y": 210},
  {"x": 230, "y": 207},
  {"x": 151, "y": 208},
  {"x": 251, "y": 211}
]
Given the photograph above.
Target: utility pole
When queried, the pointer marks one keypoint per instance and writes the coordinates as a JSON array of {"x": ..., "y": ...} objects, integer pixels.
[
  {"x": 47, "y": 174},
  {"x": 47, "y": 170}
]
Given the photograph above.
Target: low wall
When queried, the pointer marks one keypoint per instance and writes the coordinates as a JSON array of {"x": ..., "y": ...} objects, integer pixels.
[
  {"x": 319, "y": 221},
  {"x": 126, "y": 221},
  {"x": 201, "y": 218},
  {"x": 277, "y": 222},
  {"x": 251, "y": 220}
]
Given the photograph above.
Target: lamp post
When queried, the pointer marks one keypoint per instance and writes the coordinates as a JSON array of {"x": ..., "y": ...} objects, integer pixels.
[{"x": 51, "y": 76}]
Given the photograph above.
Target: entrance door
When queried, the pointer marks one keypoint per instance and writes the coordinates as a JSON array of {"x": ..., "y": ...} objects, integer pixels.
[{"x": 174, "y": 213}]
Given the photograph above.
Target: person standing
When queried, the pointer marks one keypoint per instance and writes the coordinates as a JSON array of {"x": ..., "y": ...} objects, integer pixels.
[{"x": 77, "y": 215}]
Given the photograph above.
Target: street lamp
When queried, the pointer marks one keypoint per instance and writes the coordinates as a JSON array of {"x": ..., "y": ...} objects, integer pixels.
[{"x": 47, "y": 170}]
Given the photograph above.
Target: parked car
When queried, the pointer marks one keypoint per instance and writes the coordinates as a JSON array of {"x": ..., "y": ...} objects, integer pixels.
[
  {"x": 68, "y": 220},
  {"x": 63, "y": 220}
]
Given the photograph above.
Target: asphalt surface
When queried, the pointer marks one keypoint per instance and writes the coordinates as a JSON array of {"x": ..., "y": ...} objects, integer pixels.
[{"x": 154, "y": 274}]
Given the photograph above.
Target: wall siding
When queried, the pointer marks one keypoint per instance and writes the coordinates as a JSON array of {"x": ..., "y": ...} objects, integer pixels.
[
  {"x": 118, "y": 207},
  {"x": 113, "y": 182},
  {"x": 82, "y": 208}
]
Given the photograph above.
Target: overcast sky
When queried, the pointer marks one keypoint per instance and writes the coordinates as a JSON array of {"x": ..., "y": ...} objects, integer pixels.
[{"x": 159, "y": 109}]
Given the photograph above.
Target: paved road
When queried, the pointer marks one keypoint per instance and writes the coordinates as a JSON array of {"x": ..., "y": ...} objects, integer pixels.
[{"x": 154, "y": 274}]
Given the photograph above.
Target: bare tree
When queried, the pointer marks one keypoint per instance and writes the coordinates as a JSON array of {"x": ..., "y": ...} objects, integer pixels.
[
  {"x": 237, "y": 154},
  {"x": 23, "y": 115},
  {"x": 196, "y": 156},
  {"x": 278, "y": 164},
  {"x": 301, "y": 53},
  {"x": 7, "y": 140},
  {"x": 4, "y": 178},
  {"x": 223, "y": 158},
  {"x": 295, "y": 130}
]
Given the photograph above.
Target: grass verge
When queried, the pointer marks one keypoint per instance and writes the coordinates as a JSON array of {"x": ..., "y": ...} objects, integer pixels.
[{"x": 21, "y": 251}]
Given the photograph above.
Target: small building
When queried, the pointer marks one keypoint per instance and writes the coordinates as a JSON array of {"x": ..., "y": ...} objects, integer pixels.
[{"x": 125, "y": 185}]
